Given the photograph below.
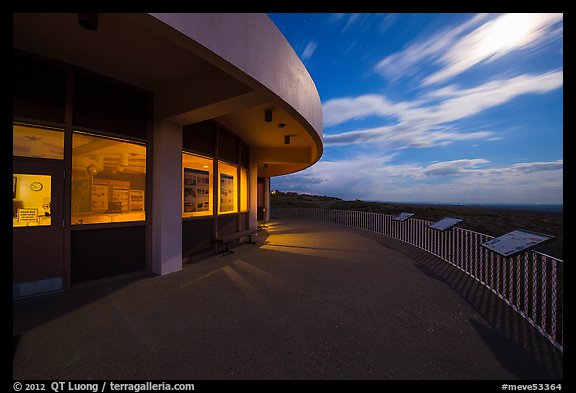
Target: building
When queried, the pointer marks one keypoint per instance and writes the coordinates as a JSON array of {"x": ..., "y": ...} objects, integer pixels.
[{"x": 140, "y": 138}]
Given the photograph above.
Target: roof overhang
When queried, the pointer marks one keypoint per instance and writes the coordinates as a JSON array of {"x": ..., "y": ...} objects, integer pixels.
[{"x": 226, "y": 67}]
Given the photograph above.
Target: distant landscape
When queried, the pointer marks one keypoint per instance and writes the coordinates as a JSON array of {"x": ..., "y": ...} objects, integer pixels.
[{"x": 490, "y": 220}]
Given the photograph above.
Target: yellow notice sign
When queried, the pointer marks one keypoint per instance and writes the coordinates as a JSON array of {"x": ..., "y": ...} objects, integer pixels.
[{"x": 27, "y": 215}]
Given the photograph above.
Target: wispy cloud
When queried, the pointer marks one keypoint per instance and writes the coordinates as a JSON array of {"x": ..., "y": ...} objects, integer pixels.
[
  {"x": 466, "y": 180},
  {"x": 449, "y": 168},
  {"x": 429, "y": 49},
  {"x": 475, "y": 41},
  {"x": 309, "y": 50},
  {"x": 427, "y": 122}
]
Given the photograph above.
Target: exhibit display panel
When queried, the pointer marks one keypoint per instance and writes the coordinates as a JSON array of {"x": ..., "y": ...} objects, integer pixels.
[
  {"x": 37, "y": 142},
  {"x": 228, "y": 201},
  {"x": 31, "y": 201},
  {"x": 108, "y": 180},
  {"x": 197, "y": 185},
  {"x": 515, "y": 242},
  {"x": 445, "y": 223},
  {"x": 402, "y": 216}
]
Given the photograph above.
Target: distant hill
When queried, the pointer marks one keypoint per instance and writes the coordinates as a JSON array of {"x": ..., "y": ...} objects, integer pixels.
[{"x": 488, "y": 220}]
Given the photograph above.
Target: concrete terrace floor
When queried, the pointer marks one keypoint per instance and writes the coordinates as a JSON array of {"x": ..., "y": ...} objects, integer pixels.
[{"x": 309, "y": 301}]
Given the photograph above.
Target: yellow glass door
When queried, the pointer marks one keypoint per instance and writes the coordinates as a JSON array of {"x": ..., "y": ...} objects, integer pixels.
[{"x": 37, "y": 224}]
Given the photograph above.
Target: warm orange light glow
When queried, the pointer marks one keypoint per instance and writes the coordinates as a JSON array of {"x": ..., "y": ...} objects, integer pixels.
[
  {"x": 228, "y": 187},
  {"x": 243, "y": 190},
  {"x": 197, "y": 185},
  {"x": 108, "y": 180},
  {"x": 31, "y": 202}
]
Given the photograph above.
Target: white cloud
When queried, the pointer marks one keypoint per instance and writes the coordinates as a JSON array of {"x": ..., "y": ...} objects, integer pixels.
[
  {"x": 495, "y": 38},
  {"x": 408, "y": 61},
  {"x": 465, "y": 180},
  {"x": 473, "y": 42},
  {"x": 455, "y": 167},
  {"x": 309, "y": 50},
  {"x": 340, "y": 110},
  {"x": 425, "y": 122}
]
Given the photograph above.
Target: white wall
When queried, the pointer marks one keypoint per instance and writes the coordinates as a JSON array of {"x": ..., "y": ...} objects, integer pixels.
[{"x": 167, "y": 198}]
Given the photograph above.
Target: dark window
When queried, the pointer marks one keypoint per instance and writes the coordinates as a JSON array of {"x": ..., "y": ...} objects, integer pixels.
[
  {"x": 101, "y": 253},
  {"x": 227, "y": 146},
  {"x": 199, "y": 137},
  {"x": 103, "y": 105},
  {"x": 39, "y": 90}
]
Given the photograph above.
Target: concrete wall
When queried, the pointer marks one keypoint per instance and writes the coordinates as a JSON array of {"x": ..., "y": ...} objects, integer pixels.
[{"x": 258, "y": 49}]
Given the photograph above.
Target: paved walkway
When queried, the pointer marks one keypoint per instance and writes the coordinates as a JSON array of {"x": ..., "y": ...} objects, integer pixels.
[{"x": 309, "y": 301}]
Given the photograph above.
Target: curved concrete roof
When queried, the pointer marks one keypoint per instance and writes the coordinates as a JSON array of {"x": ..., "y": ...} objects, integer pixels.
[
  {"x": 253, "y": 44},
  {"x": 226, "y": 67}
]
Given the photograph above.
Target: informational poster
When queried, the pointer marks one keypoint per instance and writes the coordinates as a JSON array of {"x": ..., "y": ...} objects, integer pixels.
[
  {"x": 196, "y": 190},
  {"x": 226, "y": 193},
  {"x": 403, "y": 216},
  {"x": 445, "y": 223},
  {"x": 82, "y": 193},
  {"x": 120, "y": 199},
  {"x": 136, "y": 200},
  {"x": 515, "y": 242},
  {"x": 99, "y": 198},
  {"x": 27, "y": 215}
]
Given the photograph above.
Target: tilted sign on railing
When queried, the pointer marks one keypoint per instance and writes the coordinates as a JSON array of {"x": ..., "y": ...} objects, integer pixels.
[{"x": 530, "y": 282}]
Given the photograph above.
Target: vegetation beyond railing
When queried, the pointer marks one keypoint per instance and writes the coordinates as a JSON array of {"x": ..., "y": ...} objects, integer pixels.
[{"x": 531, "y": 283}]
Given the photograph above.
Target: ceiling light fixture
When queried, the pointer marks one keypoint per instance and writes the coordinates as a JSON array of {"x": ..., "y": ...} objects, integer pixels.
[{"x": 88, "y": 20}]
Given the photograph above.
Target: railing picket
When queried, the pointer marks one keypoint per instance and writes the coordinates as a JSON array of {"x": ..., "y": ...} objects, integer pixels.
[{"x": 531, "y": 283}]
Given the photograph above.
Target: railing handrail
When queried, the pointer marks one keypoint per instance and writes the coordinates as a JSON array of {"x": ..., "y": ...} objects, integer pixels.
[{"x": 532, "y": 286}]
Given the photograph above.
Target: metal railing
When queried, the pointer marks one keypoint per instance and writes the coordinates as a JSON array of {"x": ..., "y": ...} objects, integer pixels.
[{"x": 531, "y": 283}]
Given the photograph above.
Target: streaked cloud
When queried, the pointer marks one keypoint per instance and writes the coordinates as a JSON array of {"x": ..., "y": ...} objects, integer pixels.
[
  {"x": 495, "y": 38},
  {"x": 309, "y": 50},
  {"x": 426, "y": 122},
  {"x": 455, "y": 167},
  {"x": 463, "y": 181},
  {"x": 473, "y": 42}
]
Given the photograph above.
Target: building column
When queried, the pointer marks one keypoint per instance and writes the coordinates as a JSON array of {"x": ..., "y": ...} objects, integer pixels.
[
  {"x": 253, "y": 197},
  {"x": 267, "y": 198},
  {"x": 167, "y": 198}
]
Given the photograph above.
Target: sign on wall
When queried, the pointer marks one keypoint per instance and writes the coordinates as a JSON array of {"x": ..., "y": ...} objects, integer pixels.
[
  {"x": 196, "y": 190},
  {"x": 226, "y": 193}
]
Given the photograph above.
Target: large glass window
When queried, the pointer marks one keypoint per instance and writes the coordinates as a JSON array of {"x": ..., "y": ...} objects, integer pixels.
[
  {"x": 31, "y": 200},
  {"x": 243, "y": 190},
  {"x": 36, "y": 141},
  {"x": 196, "y": 185},
  {"x": 228, "y": 177},
  {"x": 108, "y": 180}
]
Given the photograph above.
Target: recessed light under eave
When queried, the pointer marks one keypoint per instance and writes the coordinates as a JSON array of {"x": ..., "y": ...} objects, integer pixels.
[{"x": 88, "y": 20}]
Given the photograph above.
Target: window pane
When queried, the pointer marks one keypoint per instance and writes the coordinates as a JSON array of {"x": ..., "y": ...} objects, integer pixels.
[
  {"x": 35, "y": 141},
  {"x": 243, "y": 190},
  {"x": 108, "y": 180},
  {"x": 31, "y": 200},
  {"x": 196, "y": 186},
  {"x": 228, "y": 201}
]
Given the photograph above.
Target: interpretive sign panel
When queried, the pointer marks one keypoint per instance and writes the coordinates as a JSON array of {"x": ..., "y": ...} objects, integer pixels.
[
  {"x": 196, "y": 190},
  {"x": 227, "y": 194},
  {"x": 403, "y": 216},
  {"x": 445, "y": 223},
  {"x": 515, "y": 242}
]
